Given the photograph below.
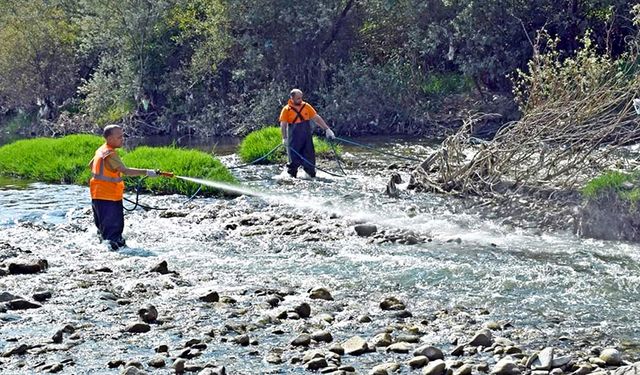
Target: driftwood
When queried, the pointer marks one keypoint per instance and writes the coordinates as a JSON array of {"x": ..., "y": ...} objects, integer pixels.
[{"x": 567, "y": 135}]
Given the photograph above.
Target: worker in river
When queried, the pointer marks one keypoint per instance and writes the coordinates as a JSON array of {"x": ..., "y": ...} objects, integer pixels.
[
  {"x": 297, "y": 131},
  {"x": 107, "y": 187}
]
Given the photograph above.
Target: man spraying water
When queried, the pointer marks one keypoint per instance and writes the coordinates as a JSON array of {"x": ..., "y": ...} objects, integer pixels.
[{"x": 107, "y": 187}]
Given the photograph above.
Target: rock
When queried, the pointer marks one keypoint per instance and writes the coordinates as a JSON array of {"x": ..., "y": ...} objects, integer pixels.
[
  {"x": 179, "y": 365},
  {"x": 303, "y": 310},
  {"x": 586, "y": 369},
  {"x": 311, "y": 354},
  {"x": 274, "y": 358},
  {"x": 505, "y": 366},
  {"x": 21, "y": 304},
  {"x": 57, "y": 337},
  {"x": 320, "y": 293},
  {"x": 355, "y": 346},
  {"x": 18, "y": 350},
  {"x": 322, "y": 336},
  {"x": 173, "y": 213},
  {"x": 138, "y": 327},
  {"x": 220, "y": 370},
  {"x": 210, "y": 297},
  {"x": 465, "y": 369},
  {"x": 611, "y": 357},
  {"x": 408, "y": 338},
  {"x": 28, "y": 268},
  {"x": 458, "y": 351},
  {"x": 400, "y": 347},
  {"x": 6, "y": 297},
  {"x": 385, "y": 369},
  {"x": 392, "y": 303},
  {"x": 243, "y": 340},
  {"x": 561, "y": 361},
  {"x": 52, "y": 368},
  {"x": 162, "y": 349},
  {"x": 115, "y": 363},
  {"x": 228, "y": 300},
  {"x": 418, "y": 362},
  {"x": 382, "y": 339},
  {"x": 161, "y": 268},
  {"x": 302, "y": 340},
  {"x": 41, "y": 296},
  {"x": 104, "y": 269},
  {"x": 148, "y": 314},
  {"x": 481, "y": 338},
  {"x": 364, "y": 319},
  {"x": 365, "y": 230},
  {"x": 337, "y": 348},
  {"x": 131, "y": 370},
  {"x": 429, "y": 351},
  {"x": 157, "y": 362},
  {"x": 273, "y": 301},
  {"x": 633, "y": 369},
  {"x": 541, "y": 360},
  {"x": 436, "y": 367},
  {"x": 316, "y": 364}
]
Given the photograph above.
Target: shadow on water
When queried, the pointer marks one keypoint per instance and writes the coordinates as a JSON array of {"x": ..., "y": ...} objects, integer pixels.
[{"x": 7, "y": 183}]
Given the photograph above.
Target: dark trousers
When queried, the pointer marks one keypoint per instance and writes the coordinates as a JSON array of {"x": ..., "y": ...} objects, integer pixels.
[
  {"x": 109, "y": 218},
  {"x": 301, "y": 141}
]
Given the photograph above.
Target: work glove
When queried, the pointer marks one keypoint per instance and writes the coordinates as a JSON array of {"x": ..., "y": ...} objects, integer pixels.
[
  {"x": 284, "y": 141},
  {"x": 329, "y": 133},
  {"x": 153, "y": 173}
]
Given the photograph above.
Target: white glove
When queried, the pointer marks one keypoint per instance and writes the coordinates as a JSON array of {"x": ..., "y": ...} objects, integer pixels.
[
  {"x": 284, "y": 141},
  {"x": 329, "y": 133},
  {"x": 152, "y": 173}
]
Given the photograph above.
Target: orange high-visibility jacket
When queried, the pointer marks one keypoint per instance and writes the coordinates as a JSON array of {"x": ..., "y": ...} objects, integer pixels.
[
  {"x": 105, "y": 184},
  {"x": 293, "y": 115}
]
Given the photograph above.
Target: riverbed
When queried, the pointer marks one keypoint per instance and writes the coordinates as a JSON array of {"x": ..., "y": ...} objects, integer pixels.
[{"x": 455, "y": 270}]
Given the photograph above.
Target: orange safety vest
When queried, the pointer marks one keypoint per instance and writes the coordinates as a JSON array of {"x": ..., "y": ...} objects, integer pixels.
[{"x": 105, "y": 184}]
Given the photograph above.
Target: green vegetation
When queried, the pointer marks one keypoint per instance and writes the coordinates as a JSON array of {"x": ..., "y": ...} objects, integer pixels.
[
  {"x": 260, "y": 142},
  {"x": 226, "y": 67},
  {"x": 65, "y": 160},
  {"x": 613, "y": 181}
]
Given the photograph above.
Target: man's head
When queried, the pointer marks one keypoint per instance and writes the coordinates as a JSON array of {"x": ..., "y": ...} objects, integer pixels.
[
  {"x": 114, "y": 135},
  {"x": 296, "y": 96}
]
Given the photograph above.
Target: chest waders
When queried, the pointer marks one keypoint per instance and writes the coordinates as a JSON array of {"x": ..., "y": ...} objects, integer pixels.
[{"x": 299, "y": 135}]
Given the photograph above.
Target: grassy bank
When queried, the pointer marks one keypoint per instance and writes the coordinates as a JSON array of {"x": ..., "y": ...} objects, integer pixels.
[
  {"x": 624, "y": 184},
  {"x": 260, "y": 142},
  {"x": 65, "y": 160}
]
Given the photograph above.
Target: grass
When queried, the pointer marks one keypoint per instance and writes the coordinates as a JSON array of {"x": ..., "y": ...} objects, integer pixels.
[
  {"x": 613, "y": 181},
  {"x": 258, "y": 143},
  {"x": 65, "y": 160}
]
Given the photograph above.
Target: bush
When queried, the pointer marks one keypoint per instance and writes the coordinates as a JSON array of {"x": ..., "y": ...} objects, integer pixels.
[
  {"x": 260, "y": 142},
  {"x": 190, "y": 163},
  {"x": 65, "y": 160}
]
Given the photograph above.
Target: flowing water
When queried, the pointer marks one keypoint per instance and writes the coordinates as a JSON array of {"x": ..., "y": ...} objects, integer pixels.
[{"x": 555, "y": 286}]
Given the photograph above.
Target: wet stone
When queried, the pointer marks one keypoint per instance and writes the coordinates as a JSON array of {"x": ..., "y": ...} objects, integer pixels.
[
  {"x": 303, "y": 310},
  {"x": 210, "y": 297},
  {"x": 138, "y": 328},
  {"x": 431, "y": 352},
  {"x": 6, "y": 297},
  {"x": 481, "y": 338},
  {"x": 436, "y": 367},
  {"x": 322, "y": 336},
  {"x": 392, "y": 303},
  {"x": 115, "y": 363},
  {"x": 418, "y": 362},
  {"x": 364, "y": 319},
  {"x": 320, "y": 293},
  {"x": 316, "y": 364},
  {"x": 162, "y": 349},
  {"x": 365, "y": 230},
  {"x": 355, "y": 346},
  {"x": 28, "y": 268},
  {"x": 408, "y": 338},
  {"x": 400, "y": 347},
  {"x": 385, "y": 369},
  {"x": 611, "y": 357},
  {"x": 18, "y": 350},
  {"x": 57, "y": 337},
  {"x": 41, "y": 296},
  {"x": 302, "y": 340},
  {"x": 21, "y": 304},
  {"x": 161, "y": 268},
  {"x": 148, "y": 314}
]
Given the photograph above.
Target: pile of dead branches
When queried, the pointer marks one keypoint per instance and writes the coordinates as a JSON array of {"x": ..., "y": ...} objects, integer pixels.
[{"x": 577, "y": 112}]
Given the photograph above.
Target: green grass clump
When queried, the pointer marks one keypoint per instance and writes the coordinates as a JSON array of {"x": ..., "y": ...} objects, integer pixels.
[
  {"x": 613, "y": 181},
  {"x": 53, "y": 160},
  {"x": 190, "y": 163},
  {"x": 258, "y": 143},
  {"x": 66, "y": 160}
]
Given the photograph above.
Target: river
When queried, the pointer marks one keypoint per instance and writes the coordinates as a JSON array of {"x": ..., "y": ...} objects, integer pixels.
[{"x": 553, "y": 287}]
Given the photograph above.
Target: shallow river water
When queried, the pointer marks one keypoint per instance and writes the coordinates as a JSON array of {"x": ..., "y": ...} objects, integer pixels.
[{"x": 554, "y": 287}]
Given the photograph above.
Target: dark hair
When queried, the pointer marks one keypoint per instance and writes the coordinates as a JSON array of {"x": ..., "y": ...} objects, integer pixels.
[{"x": 108, "y": 130}]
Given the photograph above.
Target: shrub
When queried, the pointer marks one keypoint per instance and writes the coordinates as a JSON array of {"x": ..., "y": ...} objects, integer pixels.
[{"x": 260, "y": 142}]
